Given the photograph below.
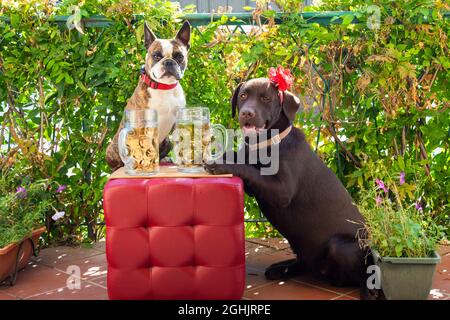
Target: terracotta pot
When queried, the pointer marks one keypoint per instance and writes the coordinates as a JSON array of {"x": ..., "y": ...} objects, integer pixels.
[{"x": 10, "y": 253}]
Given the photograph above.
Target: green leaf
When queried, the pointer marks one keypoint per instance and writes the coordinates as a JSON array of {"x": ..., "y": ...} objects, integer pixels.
[
  {"x": 59, "y": 78},
  {"x": 401, "y": 163},
  {"x": 347, "y": 19},
  {"x": 398, "y": 250},
  {"x": 68, "y": 79}
]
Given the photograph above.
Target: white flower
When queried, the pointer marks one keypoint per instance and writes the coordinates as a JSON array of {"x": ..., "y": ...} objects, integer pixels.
[{"x": 58, "y": 215}]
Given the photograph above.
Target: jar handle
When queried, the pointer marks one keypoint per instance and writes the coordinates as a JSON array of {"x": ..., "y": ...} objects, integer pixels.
[
  {"x": 223, "y": 142},
  {"x": 121, "y": 143}
]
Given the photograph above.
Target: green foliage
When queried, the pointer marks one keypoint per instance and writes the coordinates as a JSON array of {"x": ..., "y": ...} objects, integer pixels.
[
  {"x": 397, "y": 226},
  {"x": 22, "y": 207},
  {"x": 379, "y": 96}
]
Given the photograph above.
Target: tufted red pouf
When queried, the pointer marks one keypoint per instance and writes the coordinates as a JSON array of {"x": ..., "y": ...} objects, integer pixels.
[{"x": 175, "y": 238}]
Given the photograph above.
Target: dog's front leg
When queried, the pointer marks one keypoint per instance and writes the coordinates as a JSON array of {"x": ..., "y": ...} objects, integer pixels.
[
  {"x": 164, "y": 148},
  {"x": 278, "y": 190}
]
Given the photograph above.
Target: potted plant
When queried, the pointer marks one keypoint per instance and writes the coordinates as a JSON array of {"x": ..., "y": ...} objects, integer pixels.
[
  {"x": 22, "y": 212},
  {"x": 402, "y": 240}
]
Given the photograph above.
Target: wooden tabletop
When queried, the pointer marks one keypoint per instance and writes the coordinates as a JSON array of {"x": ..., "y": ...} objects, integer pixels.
[{"x": 166, "y": 171}]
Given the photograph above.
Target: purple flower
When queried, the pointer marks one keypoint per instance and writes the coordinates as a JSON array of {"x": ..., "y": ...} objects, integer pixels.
[
  {"x": 378, "y": 200},
  {"x": 21, "y": 192},
  {"x": 21, "y": 189},
  {"x": 418, "y": 206},
  {"x": 61, "y": 188},
  {"x": 402, "y": 178},
  {"x": 381, "y": 185}
]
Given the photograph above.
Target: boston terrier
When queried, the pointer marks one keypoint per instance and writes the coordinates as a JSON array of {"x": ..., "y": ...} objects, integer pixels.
[{"x": 158, "y": 87}]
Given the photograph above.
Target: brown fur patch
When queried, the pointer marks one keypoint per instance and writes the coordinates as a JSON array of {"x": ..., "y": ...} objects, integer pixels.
[
  {"x": 178, "y": 47},
  {"x": 155, "y": 48}
]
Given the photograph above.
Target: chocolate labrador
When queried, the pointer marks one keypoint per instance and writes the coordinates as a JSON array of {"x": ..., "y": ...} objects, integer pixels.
[{"x": 304, "y": 200}]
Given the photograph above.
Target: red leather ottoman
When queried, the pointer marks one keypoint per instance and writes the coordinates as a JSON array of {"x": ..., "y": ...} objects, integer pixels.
[{"x": 175, "y": 238}]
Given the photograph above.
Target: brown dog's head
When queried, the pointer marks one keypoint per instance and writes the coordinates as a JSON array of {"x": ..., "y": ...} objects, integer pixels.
[
  {"x": 259, "y": 105},
  {"x": 166, "y": 59}
]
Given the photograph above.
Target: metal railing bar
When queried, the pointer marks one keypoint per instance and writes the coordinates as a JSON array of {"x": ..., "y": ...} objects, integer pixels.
[{"x": 239, "y": 18}]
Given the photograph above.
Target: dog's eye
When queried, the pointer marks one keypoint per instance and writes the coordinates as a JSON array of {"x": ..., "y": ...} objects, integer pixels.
[
  {"x": 157, "y": 56},
  {"x": 243, "y": 96},
  {"x": 179, "y": 57},
  {"x": 265, "y": 99}
]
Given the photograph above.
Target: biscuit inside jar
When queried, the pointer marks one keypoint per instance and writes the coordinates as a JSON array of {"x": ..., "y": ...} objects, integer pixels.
[
  {"x": 193, "y": 144},
  {"x": 142, "y": 145}
]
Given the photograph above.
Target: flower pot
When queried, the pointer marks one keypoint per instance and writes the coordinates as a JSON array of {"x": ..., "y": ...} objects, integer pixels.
[
  {"x": 406, "y": 278},
  {"x": 15, "y": 256}
]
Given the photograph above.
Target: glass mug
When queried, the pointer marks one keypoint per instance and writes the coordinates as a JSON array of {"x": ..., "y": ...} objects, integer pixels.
[
  {"x": 194, "y": 140},
  {"x": 138, "y": 142}
]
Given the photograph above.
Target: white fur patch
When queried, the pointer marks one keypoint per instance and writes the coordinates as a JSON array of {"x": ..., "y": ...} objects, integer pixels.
[
  {"x": 167, "y": 47},
  {"x": 166, "y": 102}
]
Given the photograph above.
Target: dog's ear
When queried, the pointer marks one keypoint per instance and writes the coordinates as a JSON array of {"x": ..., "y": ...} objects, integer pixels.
[
  {"x": 291, "y": 104},
  {"x": 234, "y": 99},
  {"x": 149, "y": 36},
  {"x": 184, "y": 34}
]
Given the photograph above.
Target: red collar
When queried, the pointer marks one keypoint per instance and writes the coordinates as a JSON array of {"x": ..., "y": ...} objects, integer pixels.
[{"x": 156, "y": 85}]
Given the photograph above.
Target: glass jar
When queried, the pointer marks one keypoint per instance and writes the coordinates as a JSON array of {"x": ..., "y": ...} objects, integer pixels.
[
  {"x": 193, "y": 137},
  {"x": 138, "y": 142}
]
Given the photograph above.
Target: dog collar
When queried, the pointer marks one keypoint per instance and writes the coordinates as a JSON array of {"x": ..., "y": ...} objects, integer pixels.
[
  {"x": 156, "y": 85},
  {"x": 272, "y": 141}
]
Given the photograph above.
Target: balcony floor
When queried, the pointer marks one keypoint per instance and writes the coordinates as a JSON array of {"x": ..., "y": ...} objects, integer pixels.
[{"x": 45, "y": 277}]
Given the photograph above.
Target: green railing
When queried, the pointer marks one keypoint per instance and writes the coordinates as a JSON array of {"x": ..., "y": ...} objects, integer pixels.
[{"x": 245, "y": 18}]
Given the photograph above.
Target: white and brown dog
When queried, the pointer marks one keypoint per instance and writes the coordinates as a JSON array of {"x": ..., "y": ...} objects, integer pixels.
[{"x": 158, "y": 87}]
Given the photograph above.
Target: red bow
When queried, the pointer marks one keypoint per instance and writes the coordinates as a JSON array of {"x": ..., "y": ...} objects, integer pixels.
[{"x": 282, "y": 79}]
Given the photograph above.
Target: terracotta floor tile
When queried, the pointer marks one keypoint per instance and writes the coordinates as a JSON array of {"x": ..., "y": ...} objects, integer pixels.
[
  {"x": 35, "y": 279},
  {"x": 444, "y": 250},
  {"x": 90, "y": 267},
  {"x": 310, "y": 280},
  {"x": 5, "y": 296},
  {"x": 88, "y": 291},
  {"x": 441, "y": 283},
  {"x": 260, "y": 260},
  {"x": 354, "y": 294},
  {"x": 250, "y": 246},
  {"x": 281, "y": 255},
  {"x": 438, "y": 294},
  {"x": 101, "y": 281},
  {"x": 275, "y": 243},
  {"x": 100, "y": 246},
  {"x": 263, "y": 258},
  {"x": 289, "y": 290},
  {"x": 345, "y": 297},
  {"x": 56, "y": 255},
  {"x": 440, "y": 289},
  {"x": 255, "y": 278},
  {"x": 253, "y": 249}
]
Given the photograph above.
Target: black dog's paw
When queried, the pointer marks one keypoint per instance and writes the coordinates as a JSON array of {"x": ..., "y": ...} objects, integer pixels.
[
  {"x": 282, "y": 270},
  {"x": 216, "y": 168},
  {"x": 371, "y": 294},
  {"x": 276, "y": 272}
]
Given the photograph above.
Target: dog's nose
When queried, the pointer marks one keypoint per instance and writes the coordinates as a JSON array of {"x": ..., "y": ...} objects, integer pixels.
[
  {"x": 169, "y": 63},
  {"x": 247, "y": 114}
]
